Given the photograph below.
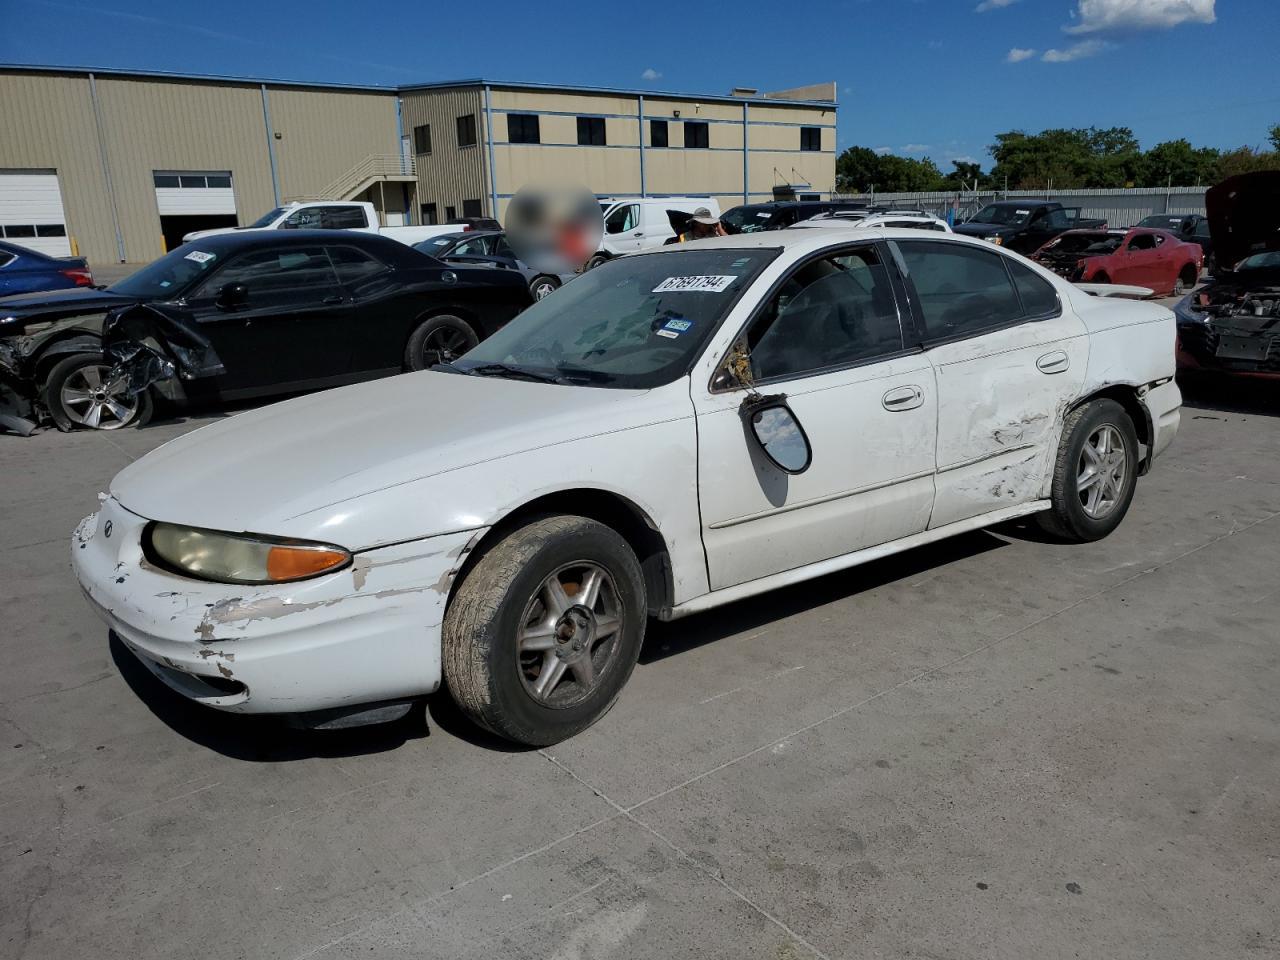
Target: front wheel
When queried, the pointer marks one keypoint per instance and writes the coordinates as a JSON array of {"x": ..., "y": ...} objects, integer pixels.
[
  {"x": 81, "y": 393},
  {"x": 441, "y": 339},
  {"x": 1095, "y": 473},
  {"x": 544, "y": 631}
]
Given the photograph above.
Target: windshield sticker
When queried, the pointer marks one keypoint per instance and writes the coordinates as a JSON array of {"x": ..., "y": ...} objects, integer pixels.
[
  {"x": 1023, "y": 213},
  {"x": 764, "y": 214},
  {"x": 694, "y": 285},
  {"x": 739, "y": 264},
  {"x": 669, "y": 334},
  {"x": 200, "y": 257},
  {"x": 164, "y": 283},
  {"x": 679, "y": 326}
]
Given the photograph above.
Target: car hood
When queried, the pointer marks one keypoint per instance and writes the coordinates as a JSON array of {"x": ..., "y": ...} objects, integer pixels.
[
  {"x": 983, "y": 229},
  {"x": 288, "y": 468},
  {"x": 1244, "y": 215},
  {"x": 60, "y": 302}
]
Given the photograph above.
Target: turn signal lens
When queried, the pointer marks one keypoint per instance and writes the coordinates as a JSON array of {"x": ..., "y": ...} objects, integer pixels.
[
  {"x": 294, "y": 563},
  {"x": 240, "y": 557}
]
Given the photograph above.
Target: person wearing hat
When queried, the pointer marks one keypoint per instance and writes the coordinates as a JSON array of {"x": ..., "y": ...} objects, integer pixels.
[{"x": 703, "y": 225}]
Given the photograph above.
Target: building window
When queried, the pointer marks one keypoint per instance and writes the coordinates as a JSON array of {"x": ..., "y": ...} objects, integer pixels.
[
  {"x": 471, "y": 208},
  {"x": 811, "y": 138},
  {"x": 523, "y": 128},
  {"x": 591, "y": 132},
  {"x": 467, "y": 130},
  {"x": 657, "y": 133},
  {"x": 695, "y": 134},
  {"x": 192, "y": 181},
  {"x": 451, "y": 214},
  {"x": 429, "y": 214},
  {"x": 422, "y": 139}
]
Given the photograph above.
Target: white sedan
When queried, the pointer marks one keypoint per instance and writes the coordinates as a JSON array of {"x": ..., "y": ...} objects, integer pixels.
[{"x": 674, "y": 430}]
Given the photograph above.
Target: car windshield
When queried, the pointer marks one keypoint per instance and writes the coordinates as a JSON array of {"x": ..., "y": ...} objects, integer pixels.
[
  {"x": 267, "y": 218},
  {"x": 1160, "y": 221},
  {"x": 1260, "y": 261},
  {"x": 634, "y": 323},
  {"x": 1004, "y": 214},
  {"x": 169, "y": 276},
  {"x": 1099, "y": 242},
  {"x": 748, "y": 219},
  {"x": 434, "y": 245}
]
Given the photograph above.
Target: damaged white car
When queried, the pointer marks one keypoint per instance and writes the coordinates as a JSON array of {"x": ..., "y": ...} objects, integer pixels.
[{"x": 672, "y": 431}]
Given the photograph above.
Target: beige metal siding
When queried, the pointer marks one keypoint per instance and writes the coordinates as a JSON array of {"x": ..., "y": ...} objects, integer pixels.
[
  {"x": 46, "y": 122},
  {"x": 161, "y": 125},
  {"x": 323, "y": 134},
  {"x": 449, "y": 174}
]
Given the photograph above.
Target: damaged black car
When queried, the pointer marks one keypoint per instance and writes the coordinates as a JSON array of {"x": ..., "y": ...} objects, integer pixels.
[
  {"x": 1232, "y": 324},
  {"x": 244, "y": 315}
]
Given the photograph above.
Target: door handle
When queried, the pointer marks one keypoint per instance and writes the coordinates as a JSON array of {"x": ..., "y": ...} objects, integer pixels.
[
  {"x": 902, "y": 398},
  {"x": 638, "y": 233},
  {"x": 1055, "y": 362}
]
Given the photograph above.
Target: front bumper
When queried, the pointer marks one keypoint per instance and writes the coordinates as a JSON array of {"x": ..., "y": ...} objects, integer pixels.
[{"x": 368, "y": 633}]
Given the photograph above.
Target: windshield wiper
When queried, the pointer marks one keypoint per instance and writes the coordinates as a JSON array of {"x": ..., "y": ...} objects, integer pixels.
[{"x": 503, "y": 370}]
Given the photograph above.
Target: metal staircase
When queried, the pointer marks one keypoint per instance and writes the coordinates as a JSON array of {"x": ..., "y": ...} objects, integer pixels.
[{"x": 378, "y": 167}]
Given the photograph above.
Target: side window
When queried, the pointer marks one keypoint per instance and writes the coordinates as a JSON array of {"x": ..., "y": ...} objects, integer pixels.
[
  {"x": 342, "y": 218},
  {"x": 422, "y": 139},
  {"x": 1143, "y": 241},
  {"x": 6, "y": 258},
  {"x": 475, "y": 247},
  {"x": 623, "y": 219},
  {"x": 503, "y": 249},
  {"x": 962, "y": 290},
  {"x": 308, "y": 218},
  {"x": 1039, "y": 299},
  {"x": 696, "y": 134},
  {"x": 810, "y": 138},
  {"x": 831, "y": 312},
  {"x": 354, "y": 265},
  {"x": 467, "y": 130},
  {"x": 296, "y": 274},
  {"x": 1056, "y": 220}
]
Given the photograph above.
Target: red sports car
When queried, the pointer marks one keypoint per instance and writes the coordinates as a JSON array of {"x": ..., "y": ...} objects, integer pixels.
[{"x": 1139, "y": 256}]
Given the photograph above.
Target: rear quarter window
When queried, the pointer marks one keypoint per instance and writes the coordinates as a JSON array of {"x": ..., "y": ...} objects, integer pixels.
[{"x": 962, "y": 290}]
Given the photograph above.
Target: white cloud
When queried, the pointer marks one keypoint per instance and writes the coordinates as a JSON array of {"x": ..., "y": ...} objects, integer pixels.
[
  {"x": 1096, "y": 15},
  {"x": 883, "y": 151},
  {"x": 651, "y": 74},
  {"x": 914, "y": 147},
  {"x": 1077, "y": 51},
  {"x": 986, "y": 5},
  {"x": 935, "y": 44},
  {"x": 1018, "y": 54},
  {"x": 963, "y": 159}
]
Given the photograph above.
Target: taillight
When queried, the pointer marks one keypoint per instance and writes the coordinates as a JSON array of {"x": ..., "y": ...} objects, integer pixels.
[{"x": 81, "y": 276}]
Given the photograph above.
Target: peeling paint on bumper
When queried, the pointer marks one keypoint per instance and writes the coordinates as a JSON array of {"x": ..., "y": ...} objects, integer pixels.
[{"x": 367, "y": 633}]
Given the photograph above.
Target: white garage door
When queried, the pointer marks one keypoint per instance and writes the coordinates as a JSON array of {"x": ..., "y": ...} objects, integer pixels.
[
  {"x": 31, "y": 211},
  {"x": 185, "y": 193}
]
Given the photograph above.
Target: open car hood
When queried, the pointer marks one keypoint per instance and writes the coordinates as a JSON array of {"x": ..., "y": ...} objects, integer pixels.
[{"x": 1244, "y": 215}]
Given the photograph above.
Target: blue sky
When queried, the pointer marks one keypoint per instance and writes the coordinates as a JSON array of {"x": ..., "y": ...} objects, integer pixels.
[{"x": 920, "y": 77}]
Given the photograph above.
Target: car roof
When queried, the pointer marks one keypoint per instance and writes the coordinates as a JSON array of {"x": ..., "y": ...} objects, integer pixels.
[
  {"x": 807, "y": 241},
  {"x": 19, "y": 250}
]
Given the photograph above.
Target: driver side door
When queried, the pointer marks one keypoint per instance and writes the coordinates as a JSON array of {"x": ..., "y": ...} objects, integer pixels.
[
  {"x": 623, "y": 230},
  {"x": 831, "y": 339}
]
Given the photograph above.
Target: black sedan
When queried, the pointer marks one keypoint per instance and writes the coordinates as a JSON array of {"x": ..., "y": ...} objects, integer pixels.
[{"x": 250, "y": 314}]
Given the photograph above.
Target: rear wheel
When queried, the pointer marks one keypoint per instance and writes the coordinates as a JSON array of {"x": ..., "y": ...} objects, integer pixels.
[
  {"x": 80, "y": 392},
  {"x": 595, "y": 261},
  {"x": 543, "y": 286},
  {"x": 544, "y": 631},
  {"x": 440, "y": 339},
  {"x": 1186, "y": 280},
  {"x": 1095, "y": 473},
  {"x": 1101, "y": 278}
]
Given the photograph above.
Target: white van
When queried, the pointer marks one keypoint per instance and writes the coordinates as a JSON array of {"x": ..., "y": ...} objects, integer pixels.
[{"x": 641, "y": 223}]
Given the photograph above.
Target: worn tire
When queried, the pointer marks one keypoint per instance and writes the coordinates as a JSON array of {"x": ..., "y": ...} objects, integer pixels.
[
  {"x": 1066, "y": 518},
  {"x": 447, "y": 328},
  {"x": 64, "y": 417},
  {"x": 543, "y": 286},
  {"x": 482, "y": 666}
]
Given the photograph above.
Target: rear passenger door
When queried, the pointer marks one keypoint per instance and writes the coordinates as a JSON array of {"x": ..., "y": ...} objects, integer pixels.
[{"x": 1008, "y": 358}]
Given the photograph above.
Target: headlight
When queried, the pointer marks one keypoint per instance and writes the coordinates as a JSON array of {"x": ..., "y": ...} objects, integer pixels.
[
  {"x": 240, "y": 557},
  {"x": 996, "y": 239}
]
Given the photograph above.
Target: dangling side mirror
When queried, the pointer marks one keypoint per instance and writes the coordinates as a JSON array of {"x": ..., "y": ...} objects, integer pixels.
[{"x": 776, "y": 428}]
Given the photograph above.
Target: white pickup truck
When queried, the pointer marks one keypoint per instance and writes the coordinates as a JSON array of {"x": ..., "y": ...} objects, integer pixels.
[{"x": 332, "y": 215}]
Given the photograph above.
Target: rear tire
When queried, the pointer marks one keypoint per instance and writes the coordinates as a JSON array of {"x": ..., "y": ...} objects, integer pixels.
[
  {"x": 1094, "y": 475},
  {"x": 79, "y": 396},
  {"x": 441, "y": 339},
  {"x": 1186, "y": 280},
  {"x": 543, "y": 633},
  {"x": 543, "y": 286},
  {"x": 595, "y": 261}
]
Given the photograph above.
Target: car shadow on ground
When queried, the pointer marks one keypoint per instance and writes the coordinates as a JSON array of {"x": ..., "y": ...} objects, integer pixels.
[
  {"x": 1202, "y": 397},
  {"x": 259, "y": 739}
]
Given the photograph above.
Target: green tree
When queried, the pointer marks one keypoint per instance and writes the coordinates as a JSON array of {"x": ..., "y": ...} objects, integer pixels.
[
  {"x": 1274, "y": 136},
  {"x": 856, "y": 170},
  {"x": 964, "y": 176},
  {"x": 1179, "y": 163},
  {"x": 1247, "y": 160}
]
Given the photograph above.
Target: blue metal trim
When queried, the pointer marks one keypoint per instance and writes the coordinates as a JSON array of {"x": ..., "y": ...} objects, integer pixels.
[
  {"x": 582, "y": 146},
  {"x": 640, "y": 132},
  {"x": 207, "y": 77},
  {"x": 106, "y": 167},
  {"x": 271, "y": 144},
  {"x": 746, "y": 152},
  {"x": 488, "y": 136},
  {"x": 617, "y": 91}
]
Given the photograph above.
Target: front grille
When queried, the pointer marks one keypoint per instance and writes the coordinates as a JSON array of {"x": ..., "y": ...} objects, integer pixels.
[{"x": 1201, "y": 341}]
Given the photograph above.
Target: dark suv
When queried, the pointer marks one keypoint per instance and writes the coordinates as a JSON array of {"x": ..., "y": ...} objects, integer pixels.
[{"x": 754, "y": 217}]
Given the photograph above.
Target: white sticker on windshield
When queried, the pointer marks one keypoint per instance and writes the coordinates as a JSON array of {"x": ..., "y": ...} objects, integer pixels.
[
  {"x": 1022, "y": 213},
  {"x": 694, "y": 284},
  {"x": 200, "y": 256}
]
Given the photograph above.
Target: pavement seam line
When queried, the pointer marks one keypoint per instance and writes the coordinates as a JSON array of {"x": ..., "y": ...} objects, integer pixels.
[
  {"x": 950, "y": 663},
  {"x": 699, "y": 867}
]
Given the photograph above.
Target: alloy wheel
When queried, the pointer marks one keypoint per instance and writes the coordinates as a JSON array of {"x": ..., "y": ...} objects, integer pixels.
[
  {"x": 1101, "y": 473},
  {"x": 569, "y": 634},
  {"x": 443, "y": 345},
  {"x": 544, "y": 288},
  {"x": 94, "y": 399}
]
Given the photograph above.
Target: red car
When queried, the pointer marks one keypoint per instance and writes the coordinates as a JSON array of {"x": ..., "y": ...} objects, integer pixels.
[{"x": 1139, "y": 256}]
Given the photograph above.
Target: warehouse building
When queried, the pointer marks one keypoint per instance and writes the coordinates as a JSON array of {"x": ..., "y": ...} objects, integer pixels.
[{"x": 117, "y": 166}]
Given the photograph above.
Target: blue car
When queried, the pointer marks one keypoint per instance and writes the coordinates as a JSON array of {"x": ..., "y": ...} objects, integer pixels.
[{"x": 26, "y": 271}]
